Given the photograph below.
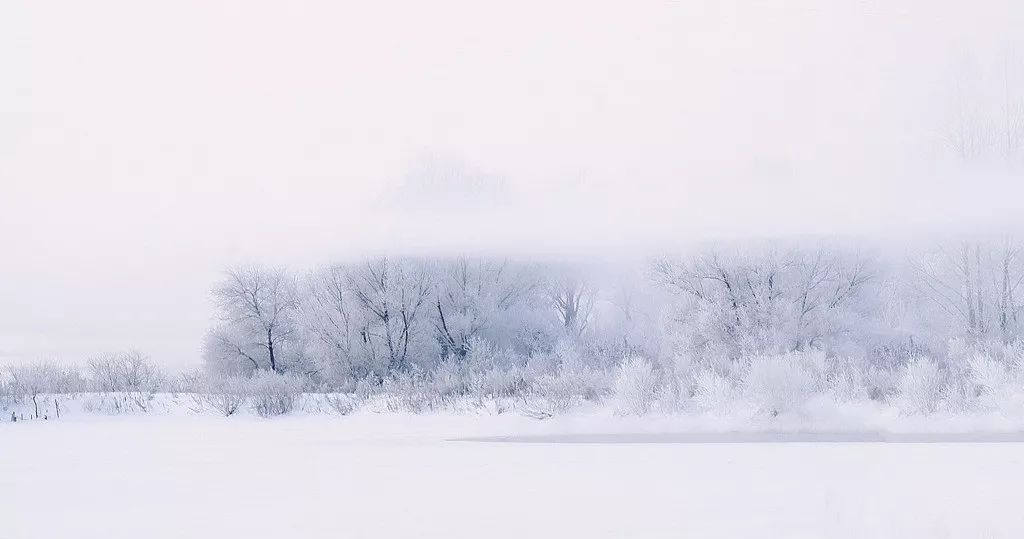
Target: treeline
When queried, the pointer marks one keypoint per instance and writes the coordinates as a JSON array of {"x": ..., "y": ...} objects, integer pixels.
[
  {"x": 347, "y": 322},
  {"x": 926, "y": 329},
  {"x": 762, "y": 329},
  {"x": 344, "y": 323}
]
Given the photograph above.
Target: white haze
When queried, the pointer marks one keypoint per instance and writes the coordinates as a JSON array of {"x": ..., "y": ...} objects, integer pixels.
[{"x": 144, "y": 146}]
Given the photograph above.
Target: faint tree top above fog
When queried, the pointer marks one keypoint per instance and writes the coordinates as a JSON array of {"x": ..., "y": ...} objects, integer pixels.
[
  {"x": 445, "y": 183},
  {"x": 985, "y": 120}
]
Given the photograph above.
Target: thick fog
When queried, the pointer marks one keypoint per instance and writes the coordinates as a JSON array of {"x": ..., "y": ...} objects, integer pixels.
[{"x": 146, "y": 146}]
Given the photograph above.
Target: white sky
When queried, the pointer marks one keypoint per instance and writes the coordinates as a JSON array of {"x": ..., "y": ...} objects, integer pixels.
[{"x": 146, "y": 145}]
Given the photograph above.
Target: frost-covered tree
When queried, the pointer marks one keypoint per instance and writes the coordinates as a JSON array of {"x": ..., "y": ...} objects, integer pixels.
[
  {"x": 474, "y": 295},
  {"x": 257, "y": 310},
  {"x": 331, "y": 318},
  {"x": 394, "y": 295},
  {"x": 826, "y": 284},
  {"x": 744, "y": 303},
  {"x": 624, "y": 319},
  {"x": 976, "y": 286},
  {"x": 572, "y": 298},
  {"x": 984, "y": 120}
]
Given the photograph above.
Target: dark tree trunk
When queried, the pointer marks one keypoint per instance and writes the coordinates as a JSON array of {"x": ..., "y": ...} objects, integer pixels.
[{"x": 270, "y": 348}]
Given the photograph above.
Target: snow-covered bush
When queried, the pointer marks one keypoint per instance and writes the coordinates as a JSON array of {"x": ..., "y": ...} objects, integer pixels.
[
  {"x": 341, "y": 403},
  {"x": 636, "y": 386},
  {"x": 1000, "y": 385},
  {"x": 188, "y": 382},
  {"x": 328, "y": 401},
  {"x": 272, "y": 394},
  {"x": 882, "y": 384},
  {"x": 26, "y": 383},
  {"x": 921, "y": 387},
  {"x": 367, "y": 387},
  {"x": 222, "y": 395},
  {"x": 846, "y": 380},
  {"x": 782, "y": 383},
  {"x": 712, "y": 391},
  {"x": 124, "y": 382},
  {"x": 449, "y": 378},
  {"x": 412, "y": 391},
  {"x": 492, "y": 373},
  {"x": 498, "y": 382},
  {"x": 573, "y": 382},
  {"x": 6, "y": 397}
]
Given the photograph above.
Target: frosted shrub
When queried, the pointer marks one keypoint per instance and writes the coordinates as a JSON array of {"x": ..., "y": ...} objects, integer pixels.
[
  {"x": 578, "y": 374},
  {"x": 960, "y": 351},
  {"x": 272, "y": 394},
  {"x": 366, "y": 389},
  {"x": 636, "y": 386},
  {"x": 559, "y": 392},
  {"x": 223, "y": 395},
  {"x": 413, "y": 391},
  {"x": 5, "y": 393},
  {"x": 449, "y": 379},
  {"x": 190, "y": 382},
  {"x": 893, "y": 355},
  {"x": 491, "y": 373},
  {"x": 959, "y": 394},
  {"x": 127, "y": 382},
  {"x": 1000, "y": 386},
  {"x": 921, "y": 387},
  {"x": 573, "y": 382},
  {"x": 341, "y": 403},
  {"x": 480, "y": 354},
  {"x": 498, "y": 382},
  {"x": 675, "y": 384},
  {"x": 882, "y": 383},
  {"x": 1013, "y": 353},
  {"x": 26, "y": 383},
  {"x": 778, "y": 384},
  {"x": 845, "y": 380},
  {"x": 712, "y": 391}
]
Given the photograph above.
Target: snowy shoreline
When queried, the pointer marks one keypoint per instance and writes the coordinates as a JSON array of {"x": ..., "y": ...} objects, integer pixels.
[
  {"x": 756, "y": 437},
  {"x": 493, "y": 421}
]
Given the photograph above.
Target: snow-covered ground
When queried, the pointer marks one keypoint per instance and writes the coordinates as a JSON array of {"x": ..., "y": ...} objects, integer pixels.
[{"x": 400, "y": 476}]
